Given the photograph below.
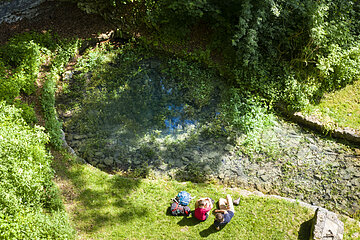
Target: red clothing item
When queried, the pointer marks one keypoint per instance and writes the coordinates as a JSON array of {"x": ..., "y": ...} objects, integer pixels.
[{"x": 200, "y": 213}]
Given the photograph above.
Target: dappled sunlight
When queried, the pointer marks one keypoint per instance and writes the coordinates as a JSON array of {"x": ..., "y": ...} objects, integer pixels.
[
  {"x": 132, "y": 115},
  {"x": 103, "y": 200}
]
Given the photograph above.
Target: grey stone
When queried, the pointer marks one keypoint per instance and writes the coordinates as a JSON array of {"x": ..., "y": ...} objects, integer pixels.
[
  {"x": 228, "y": 147},
  {"x": 163, "y": 167},
  {"x": 78, "y": 137},
  {"x": 344, "y": 174},
  {"x": 329, "y": 152},
  {"x": 326, "y": 226},
  {"x": 261, "y": 172},
  {"x": 207, "y": 169},
  {"x": 238, "y": 171},
  {"x": 355, "y": 182},
  {"x": 67, "y": 75},
  {"x": 259, "y": 187},
  {"x": 311, "y": 140},
  {"x": 302, "y": 153},
  {"x": 313, "y": 147},
  {"x": 265, "y": 177},
  {"x": 15, "y": 10},
  {"x": 109, "y": 161},
  {"x": 99, "y": 154}
]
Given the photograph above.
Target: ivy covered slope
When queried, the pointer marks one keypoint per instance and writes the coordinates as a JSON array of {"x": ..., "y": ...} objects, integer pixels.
[
  {"x": 287, "y": 52},
  {"x": 30, "y": 205}
]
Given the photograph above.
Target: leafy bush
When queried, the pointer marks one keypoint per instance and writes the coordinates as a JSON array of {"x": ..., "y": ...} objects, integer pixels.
[
  {"x": 275, "y": 48},
  {"x": 27, "y": 113},
  {"x": 20, "y": 61},
  {"x": 22, "y": 64},
  {"x": 52, "y": 125},
  {"x": 31, "y": 208},
  {"x": 198, "y": 85},
  {"x": 245, "y": 111}
]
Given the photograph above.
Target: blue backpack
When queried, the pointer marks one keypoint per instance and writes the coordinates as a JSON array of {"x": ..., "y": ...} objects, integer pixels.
[{"x": 183, "y": 198}]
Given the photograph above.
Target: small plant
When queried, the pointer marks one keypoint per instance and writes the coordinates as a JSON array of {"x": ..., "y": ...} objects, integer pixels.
[{"x": 139, "y": 172}]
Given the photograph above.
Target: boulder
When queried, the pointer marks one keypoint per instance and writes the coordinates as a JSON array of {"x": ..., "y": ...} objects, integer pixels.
[{"x": 326, "y": 226}]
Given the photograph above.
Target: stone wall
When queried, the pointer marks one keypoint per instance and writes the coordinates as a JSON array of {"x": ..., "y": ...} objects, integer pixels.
[
  {"x": 348, "y": 134},
  {"x": 14, "y": 10}
]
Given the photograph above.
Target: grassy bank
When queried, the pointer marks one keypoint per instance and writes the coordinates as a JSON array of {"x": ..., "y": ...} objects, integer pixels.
[
  {"x": 339, "y": 108},
  {"x": 105, "y": 206}
]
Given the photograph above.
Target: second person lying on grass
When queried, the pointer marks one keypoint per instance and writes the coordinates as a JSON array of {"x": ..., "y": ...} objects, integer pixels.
[
  {"x": 202, "y": 208},
  {"x": 225, "y": 213}
]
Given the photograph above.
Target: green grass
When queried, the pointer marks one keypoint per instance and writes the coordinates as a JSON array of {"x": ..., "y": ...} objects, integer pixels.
[
  {"x": 340, "y": 108},
  {"x": 106, "y": 206}
]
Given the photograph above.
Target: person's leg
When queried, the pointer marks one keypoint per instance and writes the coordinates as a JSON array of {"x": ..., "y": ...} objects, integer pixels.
[
  {"x": 222, "y": 204},
  {"x": 230, "y": 204}
]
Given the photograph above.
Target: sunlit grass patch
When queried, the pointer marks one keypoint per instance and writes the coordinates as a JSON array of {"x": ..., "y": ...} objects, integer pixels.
[
  {"x": 340, "y": 108},
  {"x": 113, "y": 207}
]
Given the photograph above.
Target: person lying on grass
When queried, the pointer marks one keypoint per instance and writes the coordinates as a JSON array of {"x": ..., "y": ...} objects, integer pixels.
[
  {"x": 202, "y": 208},
  {"x": 225, "y": 213}
]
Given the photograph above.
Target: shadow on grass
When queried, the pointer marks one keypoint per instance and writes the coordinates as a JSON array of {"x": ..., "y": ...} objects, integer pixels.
[
  {"x": 206, "y": 232},
  {"x": 190, "y": 221},
  {"x": 304, "y": 231},
  {"x": 185, "y": 221},
  {"x": 102, "y": 200}
]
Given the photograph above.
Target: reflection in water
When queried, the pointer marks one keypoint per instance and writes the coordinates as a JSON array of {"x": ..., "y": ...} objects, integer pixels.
[{"x": 175, "y": 122}]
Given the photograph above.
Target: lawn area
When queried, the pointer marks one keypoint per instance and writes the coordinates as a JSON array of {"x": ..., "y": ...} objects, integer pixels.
[
  {"x": 340, "y": 108},
  {"x": 106, "y": 206}
]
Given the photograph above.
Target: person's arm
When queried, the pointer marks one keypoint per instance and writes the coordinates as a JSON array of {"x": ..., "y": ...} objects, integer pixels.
[{"x": 221, "y": 211}]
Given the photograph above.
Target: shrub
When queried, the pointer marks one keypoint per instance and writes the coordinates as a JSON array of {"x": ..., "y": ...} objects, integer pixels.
[
  {"x": 52, "y": 125},
  {"x": 29, "y": 211},
  {"x": 244, "y": 111},
  {"x": 27, "y": 112}
]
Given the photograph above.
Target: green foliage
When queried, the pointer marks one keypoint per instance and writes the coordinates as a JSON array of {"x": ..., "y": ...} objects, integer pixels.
[
  {"x": 19, "y": 64},
  {"x": 286, "y": 51},
  {"x": 30, "y": 204},
  {"x": 340, "y": 67},
  {"x": 52, "y": 125},
  {"x": 27, "y": 113},
  {"x": 20, "y": 61},
  {"x": 197, "y": 84},
  {"x": 275, "y": 48},
  {"x": 244, "y": 111},
  {"x": 65, "y": 51}
]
